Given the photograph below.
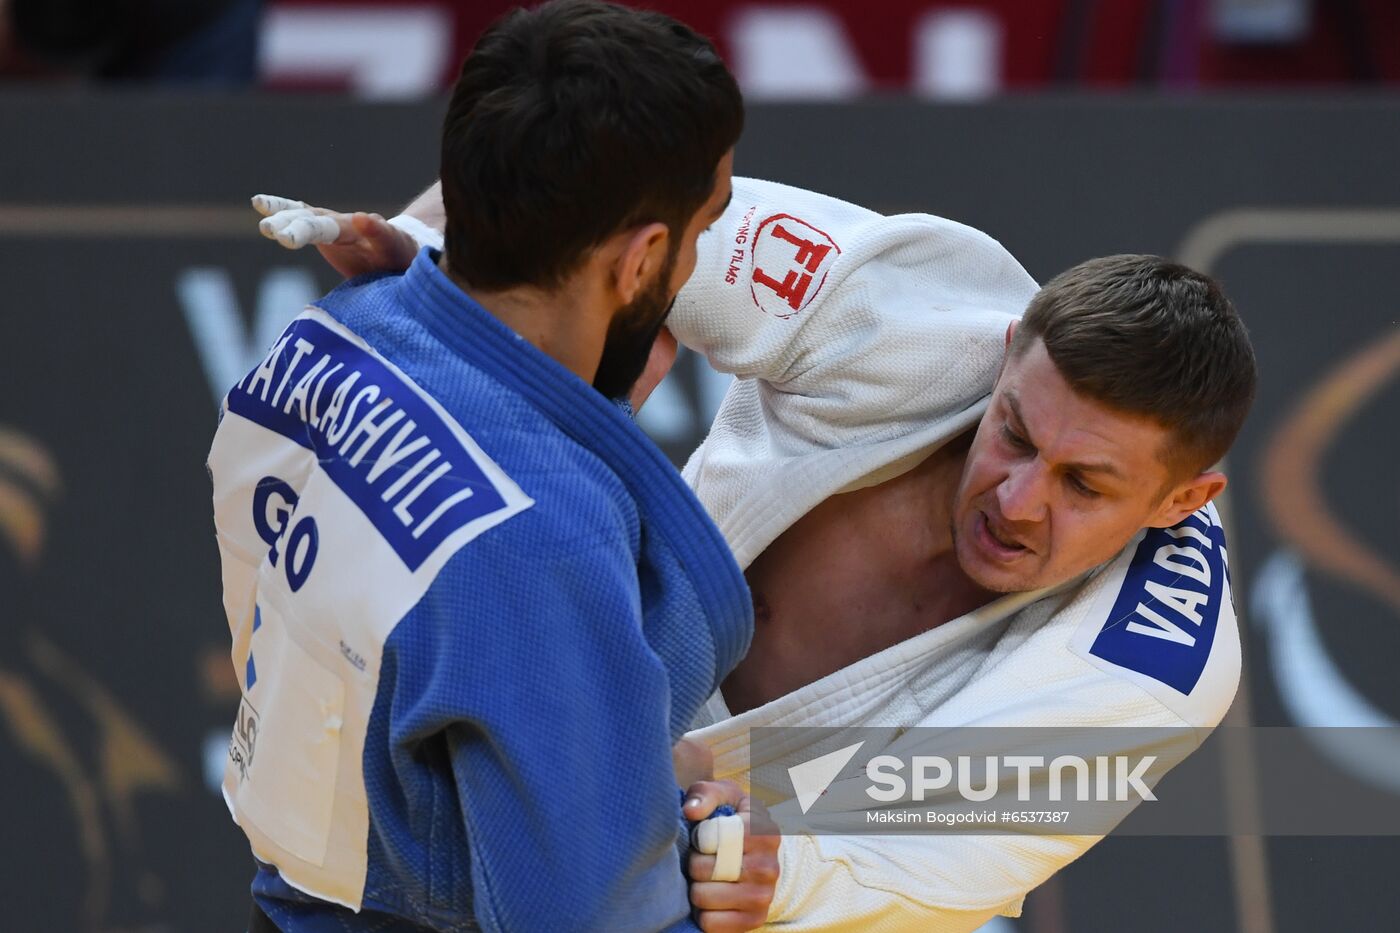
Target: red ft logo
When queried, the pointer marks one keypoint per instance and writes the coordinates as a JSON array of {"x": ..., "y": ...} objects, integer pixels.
[{"x": 791, "y": 259}]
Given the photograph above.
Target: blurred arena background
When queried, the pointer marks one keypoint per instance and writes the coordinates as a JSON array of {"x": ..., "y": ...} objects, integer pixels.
[{"x": 1255, "y": 139}]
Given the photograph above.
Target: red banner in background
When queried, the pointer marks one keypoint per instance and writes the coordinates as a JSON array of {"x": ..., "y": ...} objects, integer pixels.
[
  {"x": 834, "y": 49},
  {"x": 786, "y": 50}
]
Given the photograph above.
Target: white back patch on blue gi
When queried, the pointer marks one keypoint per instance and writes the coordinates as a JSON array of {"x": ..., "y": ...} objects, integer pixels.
[
  {"x": 388, "y": 446},
  {"x": 341, "y": 489}
]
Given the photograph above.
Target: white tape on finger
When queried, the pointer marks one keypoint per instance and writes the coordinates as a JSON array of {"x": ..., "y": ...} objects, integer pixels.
[
  {"x": 297, "y": 228},
  {"x": 269, "y": 204},
  {"x": 275, "y": 227},
  {"x": 313, "y": 229},
  {"x": 722, "y": 837}
]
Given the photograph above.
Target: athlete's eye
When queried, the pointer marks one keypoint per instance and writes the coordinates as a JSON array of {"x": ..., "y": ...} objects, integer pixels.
[
  {"x": 1079, "y": 487},
  {"x": 1014, "y": 439}
]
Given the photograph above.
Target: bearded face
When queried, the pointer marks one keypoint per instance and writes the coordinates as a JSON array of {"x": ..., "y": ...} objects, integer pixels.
[{"x": 632, "y": 333}]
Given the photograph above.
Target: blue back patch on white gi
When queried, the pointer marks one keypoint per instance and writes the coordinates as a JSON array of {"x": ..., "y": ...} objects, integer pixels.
[
  {"x": 1163, "y": 621},
  {"x": 377, "y": 436}
]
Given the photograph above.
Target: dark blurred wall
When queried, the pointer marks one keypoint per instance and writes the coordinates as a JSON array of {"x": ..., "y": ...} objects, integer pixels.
[{"x": 184, "y": 42}]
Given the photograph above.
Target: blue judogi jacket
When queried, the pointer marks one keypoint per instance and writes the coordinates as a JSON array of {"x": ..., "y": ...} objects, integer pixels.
[{"x": 472, "y": 608}]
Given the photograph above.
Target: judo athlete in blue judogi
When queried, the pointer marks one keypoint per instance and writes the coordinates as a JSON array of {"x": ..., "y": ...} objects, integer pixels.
[{"x": 472, "y": 606}]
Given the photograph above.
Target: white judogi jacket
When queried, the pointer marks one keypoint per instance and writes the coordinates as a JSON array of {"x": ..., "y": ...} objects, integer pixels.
[{"x": 862, "y": 343}]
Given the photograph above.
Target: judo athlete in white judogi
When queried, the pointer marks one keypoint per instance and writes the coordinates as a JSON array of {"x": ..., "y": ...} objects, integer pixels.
[
  {"x": 833, "y": 468},
  {"x": 939, "y": 530}
]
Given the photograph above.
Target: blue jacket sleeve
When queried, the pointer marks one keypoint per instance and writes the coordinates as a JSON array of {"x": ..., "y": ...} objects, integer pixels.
[{"x": 556, "y": 711}]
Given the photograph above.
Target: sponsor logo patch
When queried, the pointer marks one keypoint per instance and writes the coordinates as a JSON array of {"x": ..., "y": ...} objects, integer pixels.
[
  {"x": 244, "y": 743},
  {"x": 791, "y": 259}
]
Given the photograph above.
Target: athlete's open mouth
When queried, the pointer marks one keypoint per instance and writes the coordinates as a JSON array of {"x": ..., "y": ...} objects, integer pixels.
[{"x": 999, "y": 544}]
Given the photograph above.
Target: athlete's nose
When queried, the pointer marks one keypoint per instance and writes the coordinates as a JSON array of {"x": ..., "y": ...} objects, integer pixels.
[{"x": 1021, "y": 496}]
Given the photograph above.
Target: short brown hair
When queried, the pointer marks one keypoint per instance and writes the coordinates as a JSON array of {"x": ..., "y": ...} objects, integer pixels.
[{"x": 1148, "y": 336}]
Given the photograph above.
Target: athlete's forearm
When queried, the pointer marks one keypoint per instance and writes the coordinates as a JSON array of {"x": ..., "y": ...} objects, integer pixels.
[
  {"x": 424, "y": 218},
  {"x": 428, "y": 208}
]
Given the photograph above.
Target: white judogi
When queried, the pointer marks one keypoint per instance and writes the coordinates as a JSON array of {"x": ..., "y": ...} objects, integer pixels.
[{"x": 863, "y": 343}]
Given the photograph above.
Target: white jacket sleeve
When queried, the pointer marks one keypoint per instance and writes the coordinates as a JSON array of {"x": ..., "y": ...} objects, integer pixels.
[
  {"x": 790, "y": 285},
  {"x": 859, "y": 341}
]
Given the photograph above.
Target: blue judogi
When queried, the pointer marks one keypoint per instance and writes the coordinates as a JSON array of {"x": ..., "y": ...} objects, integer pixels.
[{"x": 472, "y": 608}]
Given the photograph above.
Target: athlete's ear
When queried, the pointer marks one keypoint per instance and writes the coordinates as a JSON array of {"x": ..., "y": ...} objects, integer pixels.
[
  {"x": 640, "y": 260},
  {"x": 1010, "y": 333},
  {"x": 1188, "y": 497}
]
